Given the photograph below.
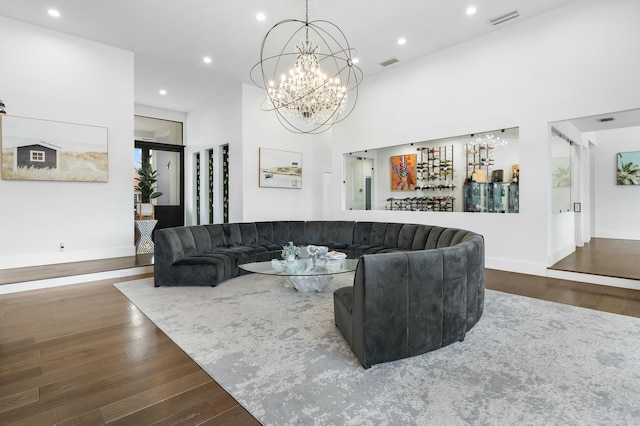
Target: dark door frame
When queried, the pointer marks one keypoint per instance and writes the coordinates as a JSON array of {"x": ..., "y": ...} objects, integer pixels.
[{"x": 175, "y": 213}]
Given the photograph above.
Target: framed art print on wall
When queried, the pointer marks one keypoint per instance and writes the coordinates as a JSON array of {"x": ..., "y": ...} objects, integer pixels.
[
  {"x": 628, "y": 171},
  {"x": 36, "y": 149},
  {"x": 280, "y": 169},
  {"x": 403, "y": 172}
]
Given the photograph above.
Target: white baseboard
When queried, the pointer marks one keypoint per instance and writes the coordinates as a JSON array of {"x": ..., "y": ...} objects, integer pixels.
[
  {"x": 618, "y": 235},
  {"x": 594, "y": 279},
  {"x": 67, "y": 256},
  {"x": 75, "y": 279},
  {"x": 519, "y": 267},
  {"x": 542, "y": 271},
  {"x": 558, "y": 255}
]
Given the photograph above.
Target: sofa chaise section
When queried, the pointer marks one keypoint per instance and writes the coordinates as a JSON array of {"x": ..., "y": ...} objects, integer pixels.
[{"x": 408, "y": 303}]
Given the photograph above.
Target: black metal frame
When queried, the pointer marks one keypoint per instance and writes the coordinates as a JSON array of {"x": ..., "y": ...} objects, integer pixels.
[{"x": 172, "y": 214}]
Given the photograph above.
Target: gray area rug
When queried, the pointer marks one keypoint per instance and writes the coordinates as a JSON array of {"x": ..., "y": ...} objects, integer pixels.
[{"x": 280, "y": 355}]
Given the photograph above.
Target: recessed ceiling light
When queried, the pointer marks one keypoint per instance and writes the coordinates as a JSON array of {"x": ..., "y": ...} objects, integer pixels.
[
  {"x": 206, "y": 60},
  {"x": 54, "y": 13},
  {"x": 402, "y": 41},
  {"x": 261, "y": 16},
  {"x": 163, "y": 92},
  {"x": 471, "y": 10}
]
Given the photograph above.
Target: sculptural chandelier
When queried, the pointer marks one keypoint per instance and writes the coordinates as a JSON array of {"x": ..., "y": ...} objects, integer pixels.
[{"x": 310, "y": 86}]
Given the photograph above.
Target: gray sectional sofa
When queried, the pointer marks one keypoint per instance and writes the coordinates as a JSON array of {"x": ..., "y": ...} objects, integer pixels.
[{"x": 416, "y": 288}]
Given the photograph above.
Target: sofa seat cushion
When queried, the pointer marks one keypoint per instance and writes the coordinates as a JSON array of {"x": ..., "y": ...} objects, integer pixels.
[
  {"x": 242, "y": 252},
  {"x": 367, "y": 249},
  {"x": 272, "y": 247},
  {"x": 336, "y": 246},
  {"x": 239, "y": 252},
  {"x": 391, "y": 250},
  {"x": 198, "y": 270},
  {"x": 229, "y": 263},
  {"x": 343, "y": 304}
]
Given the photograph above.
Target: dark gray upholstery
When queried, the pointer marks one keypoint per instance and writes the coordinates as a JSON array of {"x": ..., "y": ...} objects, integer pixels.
[
  {"x": 416, "y": 288},
  {"x": 407, "y": 303},
  {"x": 209, "y": 254}
]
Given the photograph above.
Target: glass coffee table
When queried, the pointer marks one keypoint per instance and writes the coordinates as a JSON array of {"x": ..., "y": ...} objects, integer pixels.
[{"x": 303, "y": 274}]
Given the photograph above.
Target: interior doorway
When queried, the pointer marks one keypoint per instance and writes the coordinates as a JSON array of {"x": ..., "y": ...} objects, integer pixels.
[
  {"x": 168, "y": 161},
  {"x": 159, "y": 143}
]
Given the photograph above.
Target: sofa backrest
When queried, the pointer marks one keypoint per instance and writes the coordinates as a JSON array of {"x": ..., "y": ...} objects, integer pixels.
[
  {"x": 216, "y": 235},
  {"x": 408, "y": 303},
  {"x": 201, "y": 238},
  {"x": 337, "y": 234},
  {"x": 249, "y": 234},
  {"x": 330, "y": 233},
  {"x": 232, "y": 234},
  {"x": 265, "y": 233},
  {"x": 406, "y": 236}
]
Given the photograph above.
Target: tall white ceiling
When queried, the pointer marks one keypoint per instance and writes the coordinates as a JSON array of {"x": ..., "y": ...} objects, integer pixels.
[{"x": 170, "y": 38}]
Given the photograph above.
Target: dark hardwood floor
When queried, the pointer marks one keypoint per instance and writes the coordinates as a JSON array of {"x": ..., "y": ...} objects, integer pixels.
[
  {"x": 35, "y": 273},
  {"x": 83, "y": 354},
  {"x": 604, "y": 256}
]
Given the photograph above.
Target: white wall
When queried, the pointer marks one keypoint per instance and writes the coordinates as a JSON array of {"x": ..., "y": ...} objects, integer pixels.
[
  {"x": 238, "y": 119},
  {"x": 262, "y": 129},
  {"x": 216, "y": 123},
  {"x": 545, "y": 69},
  {"x": 617, "y": 206},
  {"x": 54, "y": 76}
]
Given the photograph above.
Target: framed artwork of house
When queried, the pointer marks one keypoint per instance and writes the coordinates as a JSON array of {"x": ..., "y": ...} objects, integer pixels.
[{"x": 35, "y": 149}]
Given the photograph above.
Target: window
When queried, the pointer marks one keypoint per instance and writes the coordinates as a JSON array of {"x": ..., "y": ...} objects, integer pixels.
[
  {"x": 37, "y": 156},
  {"x": 469, "y": 173}
]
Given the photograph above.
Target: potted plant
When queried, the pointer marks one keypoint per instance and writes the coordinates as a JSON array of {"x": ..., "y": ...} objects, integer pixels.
[
  {"x": 290, "y": 251},
  {"x": 147, "y": 178}
]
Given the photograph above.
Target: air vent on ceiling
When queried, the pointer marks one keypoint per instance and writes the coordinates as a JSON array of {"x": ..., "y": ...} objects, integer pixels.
[
  {"x": 389, "y": 62},
  {"x": 503, "y": 18},
  {"x": 606, "y": 119}
]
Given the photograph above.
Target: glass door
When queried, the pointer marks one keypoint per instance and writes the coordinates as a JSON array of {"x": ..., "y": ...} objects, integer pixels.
[{"x": 168, "y": 161}]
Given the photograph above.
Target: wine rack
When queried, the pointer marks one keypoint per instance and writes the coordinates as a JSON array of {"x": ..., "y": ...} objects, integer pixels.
[
  {"x": 442, "y": 203},
  {"x": 435, "y": 164},
  {"x": 479, "y": 159},
  {"x": 434, "y": 173}
]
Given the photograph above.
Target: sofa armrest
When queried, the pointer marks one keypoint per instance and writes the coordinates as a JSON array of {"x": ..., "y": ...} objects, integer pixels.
[
  {"x": 168, "y": 249},
  {"x": 380, "y": 308}
]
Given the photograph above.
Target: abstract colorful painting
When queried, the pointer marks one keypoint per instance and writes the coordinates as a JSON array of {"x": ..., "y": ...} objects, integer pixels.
[{"x": 403, "y": 172}]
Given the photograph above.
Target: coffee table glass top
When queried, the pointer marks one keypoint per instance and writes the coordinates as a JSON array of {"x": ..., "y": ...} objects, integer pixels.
[{"x": 271, "y": 263}]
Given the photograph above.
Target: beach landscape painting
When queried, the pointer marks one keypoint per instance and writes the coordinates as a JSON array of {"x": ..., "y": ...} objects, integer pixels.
[
  {"x": 280, "y": 169},
  {"x": 36, "y": 149}
]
